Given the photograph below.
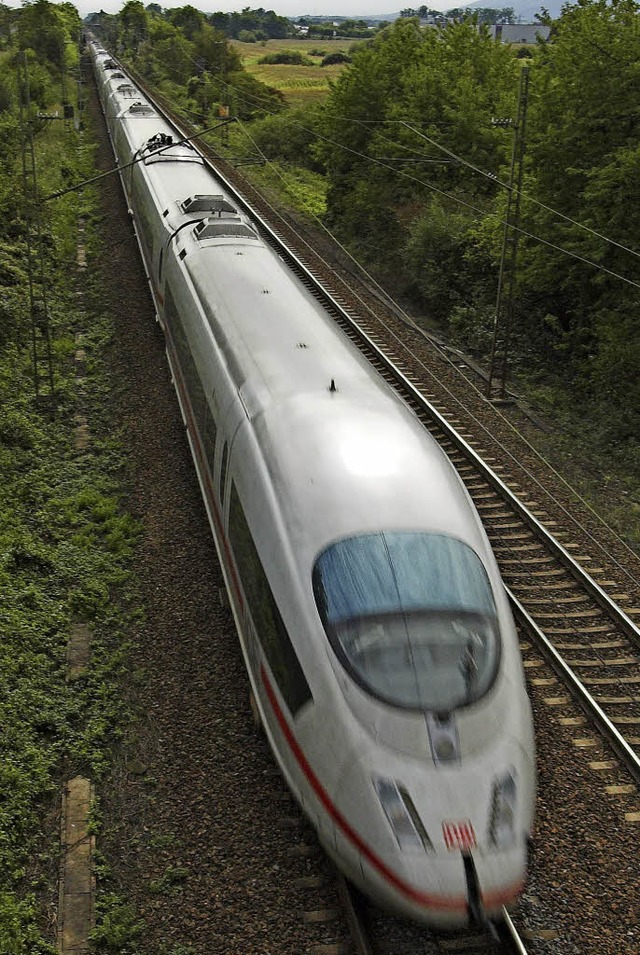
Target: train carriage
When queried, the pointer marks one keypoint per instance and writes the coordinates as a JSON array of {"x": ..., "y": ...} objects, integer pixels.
[{"x": 373, "y": 621}]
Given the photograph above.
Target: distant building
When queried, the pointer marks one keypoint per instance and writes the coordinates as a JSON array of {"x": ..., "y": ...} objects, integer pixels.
[
  {"x": 435, "y": 21},
  {"x": 519, "y": 32}
]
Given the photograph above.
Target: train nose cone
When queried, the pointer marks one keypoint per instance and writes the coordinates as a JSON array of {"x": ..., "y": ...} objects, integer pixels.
[{"x": 392, "y": 860}]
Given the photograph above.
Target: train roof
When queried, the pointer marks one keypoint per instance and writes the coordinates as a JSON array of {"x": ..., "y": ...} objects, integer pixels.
[
  {"x": 346, "y": 455},
  {"x": 354, "y": 467},
  {"x": 277, "y": 339}
]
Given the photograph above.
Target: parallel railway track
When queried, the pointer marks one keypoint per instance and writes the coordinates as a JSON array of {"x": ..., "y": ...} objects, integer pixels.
[
  {"x": 501, "y": 938},
  {"x": 570, "y": 605},
  {"x": 587, "y": 615}
]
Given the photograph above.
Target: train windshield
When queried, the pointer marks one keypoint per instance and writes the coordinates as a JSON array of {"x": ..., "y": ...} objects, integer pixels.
[{"x": 411, "y": 616}]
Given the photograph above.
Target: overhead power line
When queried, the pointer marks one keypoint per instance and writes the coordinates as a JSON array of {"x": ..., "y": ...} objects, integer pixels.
[
  {"x": 491, "y": 176},
  {"x": 250, "y": 98},
  {"x": 469, "y": 205},
  {"x": 506, "y": 185}
]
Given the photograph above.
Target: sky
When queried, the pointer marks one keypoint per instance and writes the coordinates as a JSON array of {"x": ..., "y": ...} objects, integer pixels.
[
  {"x": 287, "y": 8},
  {"x": 284, "y": 8}
]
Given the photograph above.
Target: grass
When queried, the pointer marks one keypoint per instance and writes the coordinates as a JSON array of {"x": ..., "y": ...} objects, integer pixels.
[
  {"x": 65, "y": 544},
  {"x": 291, "y": 186},
  {"x": 299, "y": 84}
]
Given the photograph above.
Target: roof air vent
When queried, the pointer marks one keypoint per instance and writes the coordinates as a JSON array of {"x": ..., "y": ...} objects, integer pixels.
[
  {"x": 206, "y": 204},
  {"x": 232, "y": 228},
  {"x": 141, "y": 109}
]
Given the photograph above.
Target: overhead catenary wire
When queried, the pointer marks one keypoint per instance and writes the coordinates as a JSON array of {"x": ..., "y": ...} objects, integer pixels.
[
  {"x": 481, "y": 212},
  {"x": 247, "y": 97},
  {"x": 409, "y": 322},
  {"x": 526, "y": 195},
  {"x": 143, "y": 156}
]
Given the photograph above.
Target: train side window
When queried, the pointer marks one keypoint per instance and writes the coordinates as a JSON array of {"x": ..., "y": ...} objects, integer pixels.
[
  {"x": 210, "y": 431},
  {"x": 160, "y": 262},
  {"x": 195, "y": 389},
  {"x": 223, "y": 469},
  {"x": 171, "y": 318},
  {"x": 269, "y": 625},
  {"x": 185, "y": 357}
]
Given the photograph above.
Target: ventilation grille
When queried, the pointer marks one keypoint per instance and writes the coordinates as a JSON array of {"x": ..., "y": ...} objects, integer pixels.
[
  {"x": 139, "y": 109},
  {"x": 224, "y": 228},
  {"x": 206, "y": 204}
]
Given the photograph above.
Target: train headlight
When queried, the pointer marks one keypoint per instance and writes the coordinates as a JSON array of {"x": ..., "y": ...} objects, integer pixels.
[
  {"x": 502, "y": 820},
  {"x": 402, "y": 815}
]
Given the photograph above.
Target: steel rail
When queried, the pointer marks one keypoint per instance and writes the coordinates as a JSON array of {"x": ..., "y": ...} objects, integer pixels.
[
  {"x": 352, "y": 906},
  {"x": 403, "y": 384},
  {"x": 512, "y": 944},
  {"x": 408, "y": 390},
  {"x": 584, "y": 698}
]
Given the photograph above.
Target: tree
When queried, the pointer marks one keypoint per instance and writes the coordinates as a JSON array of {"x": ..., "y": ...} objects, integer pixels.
[
  {"x": 290, "y": 136},
  {"x": 7, "y": 16},
  {"x": 187, "y": 19},
  {"x": 404, "y": 84},
  {"x": 583, "y": 152},
  {"x": 583, "y": 164},
  {"x": 190, "y": 61},
  {"x": 213, "y": 51},
  {"x": 166, "y": 54},
  {"x": 219, "y": 21},
  {"x": 259, "y": 22},
  {"x": 47, "y": 30},
  {"x": 106, "y": 26},
  {"x": 135, "y": 24}
]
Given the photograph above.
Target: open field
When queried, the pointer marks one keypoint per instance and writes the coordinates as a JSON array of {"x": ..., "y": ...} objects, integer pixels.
[{"x": 300, "y": 84}]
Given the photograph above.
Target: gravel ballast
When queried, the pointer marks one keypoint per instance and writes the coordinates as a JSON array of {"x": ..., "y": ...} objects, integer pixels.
[{"x": 199, "y": 831}]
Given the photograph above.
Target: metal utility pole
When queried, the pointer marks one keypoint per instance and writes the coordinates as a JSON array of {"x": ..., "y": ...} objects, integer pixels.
[
  {"x": 38, "y": 306},
  {"x": 503, "y": 318}
]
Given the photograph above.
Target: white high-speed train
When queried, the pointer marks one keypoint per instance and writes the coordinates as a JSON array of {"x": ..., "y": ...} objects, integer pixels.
[{"x": 373, "y": 621}]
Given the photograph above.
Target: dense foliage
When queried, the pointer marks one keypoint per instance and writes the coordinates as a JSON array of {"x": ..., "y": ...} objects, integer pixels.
[
  {"x": 288, "y": 57},
  {"x": 186, "y": 56},
  {"x": 433, "y": 225},
  {"x": 65, "y": 541},
  {"x": 584, "y": 163},
  {"x": 483, "y": 14},
  {"x": 391, "y": 194},
  {"x": 260, "y": 24},
  {"x": 352, "y": 29},
  {"x": 133, "y": 21}
]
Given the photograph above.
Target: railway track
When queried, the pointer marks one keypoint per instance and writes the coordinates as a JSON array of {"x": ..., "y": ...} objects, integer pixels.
[
  {"x": 574, "y": 610},
  {"x": 499, "y": 938},
  {"x": 582, "y": 620}
]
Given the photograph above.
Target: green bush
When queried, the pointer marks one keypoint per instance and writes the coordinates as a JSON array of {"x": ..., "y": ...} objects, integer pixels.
[
  {"x": 290, "y": 137},
  {"x": 337, "y": 57},
  {"x": 287, "y": 57},
  {"x": 472, "y": 327}
]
